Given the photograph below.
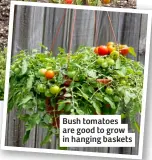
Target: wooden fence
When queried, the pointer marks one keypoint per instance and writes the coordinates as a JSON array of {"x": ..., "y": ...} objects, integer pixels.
[{"x": 34, "y": 25}]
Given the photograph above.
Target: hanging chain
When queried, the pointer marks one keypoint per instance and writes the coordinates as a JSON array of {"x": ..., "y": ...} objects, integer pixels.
[
  {"x": 112, "y": 29},
  {"x": 58, "y": 30}
]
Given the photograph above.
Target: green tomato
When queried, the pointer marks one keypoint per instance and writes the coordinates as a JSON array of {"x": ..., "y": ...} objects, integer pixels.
[
  {"x": 110, "y": 61},
  {"x": 123, "y": 82},
  {"x": 55, "y": 89},
  {"x": 16, "y": 70},
  {"x": 114, "y": 55},
  {"x": 104, "y": 65},
  {"x": 100, "y": 60},
  {"x": 109, "y": 90},
  {"x": 47, "y": 93},
  {"x": 13, "y": 67},
  {"x": 71, "y": 74},
  {"x": 116, "y": 99},
  {"x": 41, "y": 88}
]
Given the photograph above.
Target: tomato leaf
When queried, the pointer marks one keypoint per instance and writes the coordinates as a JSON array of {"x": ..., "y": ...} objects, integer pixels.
[
  {"x": 99, "y": 97},
  {"x": 109, "y": 100},
  {"x": 132, "y": 51},
  {"x": 118, "y": 63},
  {"x": 46, "y": 139},
  {"x": 79, "y": 111},
  {"x": 97, "y": 106},
  {"x": 67, "y": 107},
  {"x": 61, "y": 106},
  {"x": 127, "y": 97},
  {"x": 26, "y": 99},
  {"x": 30, "y": 81},
  {"x": 24, "y": 67},
  {"x": 92, "y": 73},
  {"x": 26, "y": 136}
]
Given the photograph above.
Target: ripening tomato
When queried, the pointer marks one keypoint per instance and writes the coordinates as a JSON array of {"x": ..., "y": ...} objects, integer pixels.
[
  {"x": 111, "y": 48},
  {"x": 114, "y": 55},
  {"x": 124, "y": 51},
  {"x": 106, "y": 1},
  {"x": 68, "y": 1},
  {"x": 103, "y": 50},
  {"x": 96, "y": 50},
  {"x": 67, "y": 82},
  {"x": 49, "y": 74},
  {"x": 55, "y": 89},
  {"x": 42, "y": 71}
]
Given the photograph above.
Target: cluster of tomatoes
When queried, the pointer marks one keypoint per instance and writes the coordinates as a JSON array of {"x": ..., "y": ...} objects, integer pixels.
[
  {"x": 41, "y": 88},
  {"x": 112, "y": 48}
]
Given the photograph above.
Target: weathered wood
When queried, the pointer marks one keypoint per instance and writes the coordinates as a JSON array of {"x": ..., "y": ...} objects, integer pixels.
[{"x": 34, "y": 25}]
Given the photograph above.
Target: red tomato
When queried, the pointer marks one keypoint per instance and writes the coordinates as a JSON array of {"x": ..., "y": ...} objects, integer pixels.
[
  {"x": 49, "y": 74},
  {"x": 124, "y": 51},
  {"x": 103, "y": 50},
  {"x": 68, "y": 1}
]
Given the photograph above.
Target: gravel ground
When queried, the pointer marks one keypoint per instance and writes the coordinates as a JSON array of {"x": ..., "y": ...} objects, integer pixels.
[
  {"x": 4, "y": 20},
  {"x": 4, "y": 15}
]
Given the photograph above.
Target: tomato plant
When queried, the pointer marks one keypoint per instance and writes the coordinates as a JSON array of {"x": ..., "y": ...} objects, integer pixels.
[{"x": 87, "y": 84}]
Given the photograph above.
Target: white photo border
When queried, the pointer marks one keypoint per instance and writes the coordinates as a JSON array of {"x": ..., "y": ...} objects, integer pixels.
[{"x": 8, "y": 63}]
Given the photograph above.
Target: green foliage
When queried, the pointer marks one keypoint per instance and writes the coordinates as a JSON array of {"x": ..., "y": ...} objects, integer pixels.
[
  {"x": 2, "y": 72},
  {"x": 82, "y": 82}
]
